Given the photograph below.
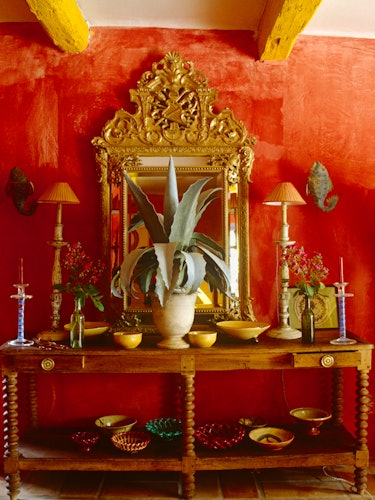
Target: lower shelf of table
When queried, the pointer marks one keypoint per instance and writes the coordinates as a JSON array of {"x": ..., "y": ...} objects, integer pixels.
[{"x": 52, "y": 449}]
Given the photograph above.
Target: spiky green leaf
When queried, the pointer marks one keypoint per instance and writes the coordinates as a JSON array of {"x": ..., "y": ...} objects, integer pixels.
[
  {"x": 165, "y": 253},
  {"x": 185, "y": 217},
  {"x": 170, "y": 197},
  {"x": 147, "y": 212}
]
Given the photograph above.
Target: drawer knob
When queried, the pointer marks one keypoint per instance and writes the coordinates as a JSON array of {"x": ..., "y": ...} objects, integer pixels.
[
  {"x": 47, "y": 364},
  {"x": 327, "y": 361}
]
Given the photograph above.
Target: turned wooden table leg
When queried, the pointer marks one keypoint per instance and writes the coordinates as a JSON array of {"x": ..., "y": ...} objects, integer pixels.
[
  {"x": 11, "y": 435},
  {"x": 188, "y": 424},
  {"x": 33, "y": 408},
  {"x": 337, "y": 396},
  {"x": 363, "y": 407}
]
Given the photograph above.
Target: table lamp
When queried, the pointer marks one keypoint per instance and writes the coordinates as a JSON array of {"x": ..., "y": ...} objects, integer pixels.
[
  {"x": 60, "y": 193},
  {"x": 284, "y": 194}
]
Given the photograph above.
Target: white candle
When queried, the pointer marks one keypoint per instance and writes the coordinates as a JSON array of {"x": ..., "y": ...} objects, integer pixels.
[
  {"x": 20, "y": 270},
  {"x": 341, "y": 270}
]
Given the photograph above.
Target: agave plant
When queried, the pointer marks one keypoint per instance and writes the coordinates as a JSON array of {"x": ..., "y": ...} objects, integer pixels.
[{"x": 179, "y": 259}]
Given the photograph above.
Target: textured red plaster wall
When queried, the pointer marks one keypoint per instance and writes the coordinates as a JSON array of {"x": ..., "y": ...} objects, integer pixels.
[{"x": 319, "y": 104}]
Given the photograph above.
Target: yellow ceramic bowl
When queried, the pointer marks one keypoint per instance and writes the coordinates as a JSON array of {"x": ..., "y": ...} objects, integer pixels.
[
  {"x": 243, "y": 330},
  {"x": 92, "y": 328},
  {"x": 202, "y": 338},
  {"x": 312, "y": 418},
  {"x": 271, "y": 438},
  {"x": 114, "y": 424},
  {"x": 128, "y": 340}
]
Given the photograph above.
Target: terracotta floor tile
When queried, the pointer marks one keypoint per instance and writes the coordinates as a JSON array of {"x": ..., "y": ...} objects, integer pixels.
[
  {"x": 81, "y": 485},
  {"x": 318, "y": 490},
  {"x": 279, "y": 484},
  {"x": 134, "y": 486},
  {"x": 290, "y": 474},
  {"x": 207, "y": 486},
  {"x": 239, "y": 484},
  {"x": 40, "y": 485}
]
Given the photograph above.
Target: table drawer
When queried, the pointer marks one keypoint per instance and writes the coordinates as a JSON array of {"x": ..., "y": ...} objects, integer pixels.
[
  {"x": 326, "y": 359},
  {"x": 49, "y": 363}
]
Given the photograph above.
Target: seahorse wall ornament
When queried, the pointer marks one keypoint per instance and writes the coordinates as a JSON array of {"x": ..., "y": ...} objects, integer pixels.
[
  {"x": 20, "y": 189},
  {"x": 319, "y": 184}
]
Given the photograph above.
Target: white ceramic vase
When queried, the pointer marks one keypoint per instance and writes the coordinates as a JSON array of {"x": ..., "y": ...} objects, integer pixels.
[{"x": 174, "y": 320}]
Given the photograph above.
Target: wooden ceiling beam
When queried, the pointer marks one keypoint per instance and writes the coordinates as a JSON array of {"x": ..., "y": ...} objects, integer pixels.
[
  {"x": 281, "y": 23},
  {"x": 64, "y": 23}
]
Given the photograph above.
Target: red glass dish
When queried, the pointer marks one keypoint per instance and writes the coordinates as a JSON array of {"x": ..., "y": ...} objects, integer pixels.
[{"x": 219, "y": 436}]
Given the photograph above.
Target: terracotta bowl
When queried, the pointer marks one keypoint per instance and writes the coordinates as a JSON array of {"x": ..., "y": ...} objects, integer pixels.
[
  {"x": 128, "y": 340},
  {"x": 311, "y": 418},
  {"x": 271, "y": 438},
  {"x": 114, "y": 424},
  {"x": 243, "y": 330},
  {"x": 202, "y": 338}
]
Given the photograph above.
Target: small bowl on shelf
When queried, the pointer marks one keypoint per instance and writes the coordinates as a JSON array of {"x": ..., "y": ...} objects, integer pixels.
[
  {"x": 165, "y": 428},
  {"x": 202, "y": 338},
  {"x": 243, "y": 330},
  {"x": 92, "y": 328},
  {"x": 114, "y": 424},
  {"x": 271, "y": 438},
  {"x": 252, "y": 422},
  {"x": 311, "y": 418},
  {"x": 127, "y": 340},
  {"x": 219, "y": 436},
  {"x": 132, "y": 441},
  {"x": 85, "y": 440}
]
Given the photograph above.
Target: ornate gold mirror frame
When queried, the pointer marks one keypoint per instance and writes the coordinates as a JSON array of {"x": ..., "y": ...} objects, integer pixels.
[{"x": 174, "y": 116}]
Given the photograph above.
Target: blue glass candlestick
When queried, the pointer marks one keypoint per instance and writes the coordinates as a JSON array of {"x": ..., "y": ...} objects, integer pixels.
[
  {"x": 21, "y": 297},
  {"x": 341, "y": 296}
]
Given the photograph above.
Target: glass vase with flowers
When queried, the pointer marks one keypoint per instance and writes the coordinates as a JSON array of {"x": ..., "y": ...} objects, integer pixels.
[
  {"x": 309, "y": 273},
  {"x": 84, "y": 275}
]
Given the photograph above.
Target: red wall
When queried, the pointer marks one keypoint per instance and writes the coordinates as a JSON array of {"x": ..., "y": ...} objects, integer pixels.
[{"x": 319, "y": 104}]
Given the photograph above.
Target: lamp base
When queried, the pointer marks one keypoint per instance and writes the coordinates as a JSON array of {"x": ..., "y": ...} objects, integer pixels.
[
  {"x": 284, "y": 332},
  {"x": 53, "y": 335}
]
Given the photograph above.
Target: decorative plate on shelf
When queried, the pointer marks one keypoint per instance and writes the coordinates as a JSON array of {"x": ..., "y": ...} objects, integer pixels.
[
  {"x": 165, "y": 428},
  {"x": 219, "y": 436}
]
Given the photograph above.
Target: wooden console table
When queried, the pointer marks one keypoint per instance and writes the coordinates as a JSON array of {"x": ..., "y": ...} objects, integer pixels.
[{"x": 49, "y": 449}]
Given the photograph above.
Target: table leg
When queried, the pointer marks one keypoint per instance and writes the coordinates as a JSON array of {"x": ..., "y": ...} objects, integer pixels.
[
  {"x": 337, "y": 396},
  {"x": 188, "y": 460},
  {"x": 11, "y": 435},
  {"x": 363, "y": 407}
]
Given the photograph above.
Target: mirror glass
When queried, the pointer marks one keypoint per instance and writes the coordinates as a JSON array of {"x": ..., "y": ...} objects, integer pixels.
[{"x": 174, "y": 117}]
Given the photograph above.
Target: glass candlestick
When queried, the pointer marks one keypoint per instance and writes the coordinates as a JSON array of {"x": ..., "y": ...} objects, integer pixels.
[
  {"x": 21, "y": 297},
  {"x": 341, "y": 296}
]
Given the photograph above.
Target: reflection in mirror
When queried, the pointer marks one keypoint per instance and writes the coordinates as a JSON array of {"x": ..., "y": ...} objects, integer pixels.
[
  {"x": 174, "y": 116},
  {"x": 151, "y": 177}
]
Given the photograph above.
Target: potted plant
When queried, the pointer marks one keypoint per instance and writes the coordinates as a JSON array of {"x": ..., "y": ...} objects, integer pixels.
[{"x": 179, "y": 259}]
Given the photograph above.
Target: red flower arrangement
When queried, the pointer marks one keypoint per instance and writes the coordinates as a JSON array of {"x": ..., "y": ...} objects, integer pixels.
[
  {"x": 84, "y": 275},
  {"x": 309, "y": 272}
]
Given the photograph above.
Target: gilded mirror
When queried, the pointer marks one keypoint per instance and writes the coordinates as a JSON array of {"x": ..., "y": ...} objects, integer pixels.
[{"x": 175, "y": 117}]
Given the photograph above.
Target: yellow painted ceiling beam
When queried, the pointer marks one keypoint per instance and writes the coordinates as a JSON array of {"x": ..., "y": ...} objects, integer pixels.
[
  {"x": 281, "y": 23},
  {"x": 64, "y": 23}
]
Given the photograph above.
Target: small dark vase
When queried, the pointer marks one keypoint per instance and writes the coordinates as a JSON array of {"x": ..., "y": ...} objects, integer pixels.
[
  {"x": 77, "y": 325},
  {"x": 307, "y": 323}
]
